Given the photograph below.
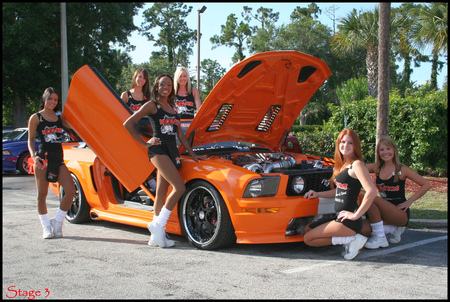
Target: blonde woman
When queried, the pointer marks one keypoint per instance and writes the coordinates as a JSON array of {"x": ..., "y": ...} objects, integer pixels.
[
  {"x": 187, "y": 98},
  {"x": 390, "y": 213}
]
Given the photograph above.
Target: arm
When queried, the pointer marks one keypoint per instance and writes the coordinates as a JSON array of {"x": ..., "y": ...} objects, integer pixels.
[
  {"x": 32, "y": 127},
  {"x": 372, "y": 167},
  {"x": 196, "y": 94},
  {"x": 422, "y": 182},
  {"x": 325, "y": 194},
  {"x": 185, "y": 143},
  {"x": 148, "y": 108},
  {"x": 64, "y": 122},
  {"x": 124, "y": 97}
]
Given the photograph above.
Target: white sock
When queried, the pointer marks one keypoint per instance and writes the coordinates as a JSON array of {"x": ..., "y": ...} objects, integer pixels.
[
  {"x": 389, "y": 229},
  {"x": 163, "y": 217},
  {"x": 45, "y": 221},
  {"x": 60, "y": 215},
  {"x": 377, "y": 229},
  {"x": 342, "y": 240}
]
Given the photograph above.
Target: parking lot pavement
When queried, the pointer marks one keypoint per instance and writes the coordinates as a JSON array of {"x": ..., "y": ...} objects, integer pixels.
[{"x": 103, "y": 260}]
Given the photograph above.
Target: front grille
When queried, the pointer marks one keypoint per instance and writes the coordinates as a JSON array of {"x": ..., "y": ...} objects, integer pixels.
[{"x": 317, "y": 181}]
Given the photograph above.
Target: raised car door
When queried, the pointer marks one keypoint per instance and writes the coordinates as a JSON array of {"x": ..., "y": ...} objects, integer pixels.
[{"x": 97, "y": 113}]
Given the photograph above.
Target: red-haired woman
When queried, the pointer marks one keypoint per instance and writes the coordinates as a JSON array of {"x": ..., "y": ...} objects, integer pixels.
[{"x": 350, "y": 174}]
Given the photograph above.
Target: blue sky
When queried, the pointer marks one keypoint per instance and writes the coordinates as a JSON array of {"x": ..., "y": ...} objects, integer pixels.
[{"x": 216, "y": 15}]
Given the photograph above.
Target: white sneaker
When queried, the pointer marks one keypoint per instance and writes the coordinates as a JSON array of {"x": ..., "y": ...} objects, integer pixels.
[
  {"x": 396, "y": 236},
  {"x": 47, "y": 233},
  {"x": 57, "y": 228},
  {"x": 345, "y": 250},
  {"x": 375, "y": 242},
  {"x": 152, "y": 242},
  {"x": 355, "y": 246},
  {"x": 158, "y": 233}
]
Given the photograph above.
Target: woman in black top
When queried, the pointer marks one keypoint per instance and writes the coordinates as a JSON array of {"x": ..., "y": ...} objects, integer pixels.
[
  {"x": 163, "y": 153},
  {"x": 139, "y": 93},
  {"x": 350, "y": 174},
  {"x": 390, "y": 213},
  {"x": 187, "y": 98},
  {"x": 48, "y": 161}
]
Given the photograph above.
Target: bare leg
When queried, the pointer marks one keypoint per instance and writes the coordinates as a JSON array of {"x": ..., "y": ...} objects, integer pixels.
[
  {"x": 167, "y": 175},
  {"x": 321, "y": 235},
  {"x": 66, "y": 181},
  {"x": 42, "y": 190}
]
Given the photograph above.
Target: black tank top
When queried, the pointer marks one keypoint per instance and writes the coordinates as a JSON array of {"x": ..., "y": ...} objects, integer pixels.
[
  {"x": 185, "y": 106},
  {"x": 347, "y": 191},
  {"x": 51, "y": 134},
  {"x": 394, "y": 192},
  {"x": 165, "y": 125},
  {"x": 134, "y": 104}
]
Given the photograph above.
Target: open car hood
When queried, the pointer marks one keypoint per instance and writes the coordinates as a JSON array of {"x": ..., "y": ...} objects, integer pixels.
[{"x": 258, "y": 99}]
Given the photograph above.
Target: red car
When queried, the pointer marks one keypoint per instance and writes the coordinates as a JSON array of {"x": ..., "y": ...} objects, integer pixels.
[{"x": 250, "y": 190}]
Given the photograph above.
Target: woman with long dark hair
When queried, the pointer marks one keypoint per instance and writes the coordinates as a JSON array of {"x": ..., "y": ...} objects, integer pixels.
[
  {"x": 49, "y": 161},
  {"x": 163, "y": 153}
]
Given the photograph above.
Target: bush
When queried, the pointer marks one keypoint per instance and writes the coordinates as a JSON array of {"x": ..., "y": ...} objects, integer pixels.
[{"x": 418, "y": 124}]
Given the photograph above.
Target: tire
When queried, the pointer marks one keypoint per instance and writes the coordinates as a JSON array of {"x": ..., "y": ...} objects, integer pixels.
[
  {"x": 204, "y": 217},
  {"x": 79, "y": 211},
  {"x": 22, "y": 163}
]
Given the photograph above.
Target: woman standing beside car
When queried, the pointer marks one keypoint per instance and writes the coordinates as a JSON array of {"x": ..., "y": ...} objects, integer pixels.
[
  {"x": 49, "y": 161},
  {"x": 163, "y": 153}
]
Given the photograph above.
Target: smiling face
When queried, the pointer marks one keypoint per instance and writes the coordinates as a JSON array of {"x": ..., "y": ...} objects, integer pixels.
[
  {"x": 140, "y": 79},
  {"x": 346, "y": 146},
  {"x": 52, "y": 101},
  {"x": 165, "y": 86},
  {"x": 386, "y": 153},
  {"x": 183, "y": 79}
]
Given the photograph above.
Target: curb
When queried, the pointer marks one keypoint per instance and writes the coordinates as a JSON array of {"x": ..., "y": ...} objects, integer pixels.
[{"x": 431, "y": 223}]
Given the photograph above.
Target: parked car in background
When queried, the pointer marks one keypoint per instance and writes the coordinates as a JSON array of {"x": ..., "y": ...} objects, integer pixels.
[
  {"x": 7, "y": 129},
  {"x": 15, "y": 151},
  {"x": 250, "y": 190}
]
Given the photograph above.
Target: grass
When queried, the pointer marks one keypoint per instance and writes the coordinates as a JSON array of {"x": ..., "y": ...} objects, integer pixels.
[{"x": 433, "y": 205}]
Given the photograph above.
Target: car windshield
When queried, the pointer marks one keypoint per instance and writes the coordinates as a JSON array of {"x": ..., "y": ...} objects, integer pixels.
[{"x": 15, "y": 135}]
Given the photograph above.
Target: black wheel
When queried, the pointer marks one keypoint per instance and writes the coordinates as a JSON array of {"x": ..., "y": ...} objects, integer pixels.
[
  {"x": 22, "y": 163},
  {"x": 79, "y": 210},
  {"x": 204, "y": 217}
]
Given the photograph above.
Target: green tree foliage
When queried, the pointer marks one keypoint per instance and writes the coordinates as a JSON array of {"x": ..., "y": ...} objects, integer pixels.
[
  {"x": 175, "y": 38},
  {"x": 32, "y": 48},
  {"x": 233, "y": 35},
  {"x": 213, "y": 73}
]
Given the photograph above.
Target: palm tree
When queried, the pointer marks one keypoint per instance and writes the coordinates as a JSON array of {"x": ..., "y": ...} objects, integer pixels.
[
  {"x": 360, "y": 30},
  {"x": 432, "y": 28}
]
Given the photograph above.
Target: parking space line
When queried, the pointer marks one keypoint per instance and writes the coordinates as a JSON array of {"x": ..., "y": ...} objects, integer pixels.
[{"x": 365, "y": 255}]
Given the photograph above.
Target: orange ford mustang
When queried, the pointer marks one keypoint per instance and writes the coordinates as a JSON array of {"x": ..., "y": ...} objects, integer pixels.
[{"x": 249, "y": 191}]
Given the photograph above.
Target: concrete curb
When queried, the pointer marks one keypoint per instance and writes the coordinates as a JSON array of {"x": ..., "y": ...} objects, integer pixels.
[{"x": 431, "y": 223}]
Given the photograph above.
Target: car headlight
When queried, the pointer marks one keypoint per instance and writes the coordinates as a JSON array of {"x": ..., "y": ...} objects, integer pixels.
[
  {"x": 298, "y": 185},
  {"x": 262, "y": 187}
]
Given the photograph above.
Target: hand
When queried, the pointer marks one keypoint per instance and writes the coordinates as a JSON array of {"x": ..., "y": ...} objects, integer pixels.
[
  {"x": 39, "y": 163},
  {"x": 311, "y": 194},
  {"x": 154, "y": 141},
  {"x": 404, "y": 206},
  {"x": 198, "y": 157},
  {"x": 346, "y": 215}
]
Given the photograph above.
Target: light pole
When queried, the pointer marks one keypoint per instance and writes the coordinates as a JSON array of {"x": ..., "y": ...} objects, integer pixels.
[{"x": 200, "y": 11}]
